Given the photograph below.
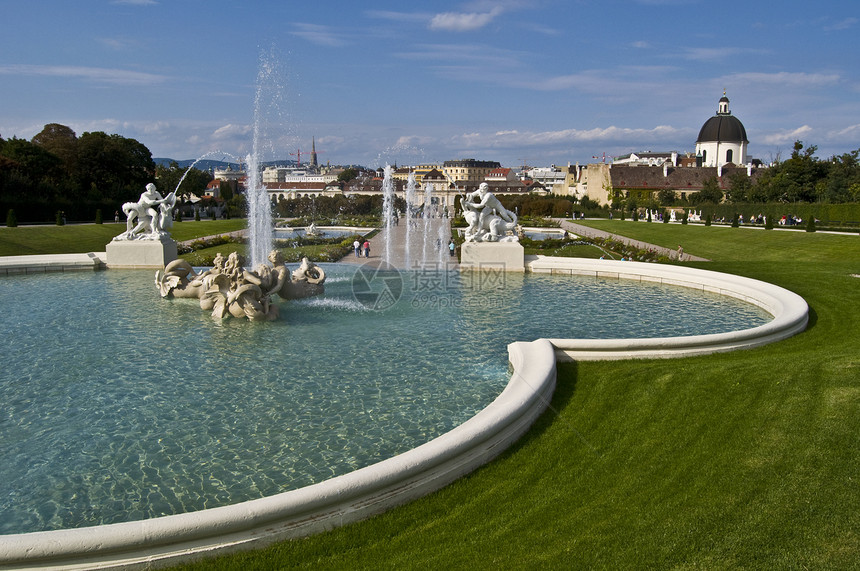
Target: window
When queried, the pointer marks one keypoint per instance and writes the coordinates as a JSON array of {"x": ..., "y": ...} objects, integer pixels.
[
  {"x": 704, "y": 157},
  {"x": 729, "y": 156}
]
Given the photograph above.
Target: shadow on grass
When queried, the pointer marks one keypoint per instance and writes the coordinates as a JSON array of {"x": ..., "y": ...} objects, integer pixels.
[
  {"x": 566, "y": 378},
  {"x": 813, "y": 319}
]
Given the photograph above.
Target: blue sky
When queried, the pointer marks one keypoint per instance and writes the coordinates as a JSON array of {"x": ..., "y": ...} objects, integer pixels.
[{"x": 536, "y": 81}]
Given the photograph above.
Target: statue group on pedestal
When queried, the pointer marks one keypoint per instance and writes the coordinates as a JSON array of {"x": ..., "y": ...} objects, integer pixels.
[
  {"x": 229, "y": 289},
  {"x": 488, "y": 220},
  {"x": 149, "y": 217}
]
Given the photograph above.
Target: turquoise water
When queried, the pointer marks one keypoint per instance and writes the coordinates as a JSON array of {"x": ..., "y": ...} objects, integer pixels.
[{"x": 116, "y": 410}]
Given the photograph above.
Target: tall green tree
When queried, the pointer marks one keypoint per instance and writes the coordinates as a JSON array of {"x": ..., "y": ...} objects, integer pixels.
[
  {"x": 60, "y": 141},
  {"x": 28, "y": 170},
  {"x": 711, "y": 192},
  {"x": 112, "y": 167},
  {"x": 739, "y": 189}
]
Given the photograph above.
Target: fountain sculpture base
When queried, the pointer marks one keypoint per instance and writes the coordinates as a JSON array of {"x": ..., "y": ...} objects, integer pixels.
[
  {"x": 492, "y": 256},
  {"x": 143, "y": 254}
]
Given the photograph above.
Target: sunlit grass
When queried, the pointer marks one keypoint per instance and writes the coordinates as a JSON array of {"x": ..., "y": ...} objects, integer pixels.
[{"x": 80, "y": 238}]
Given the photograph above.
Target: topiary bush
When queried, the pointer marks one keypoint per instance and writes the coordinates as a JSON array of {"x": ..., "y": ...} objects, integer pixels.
[
  {"x": 99, "y": 216},
  {"x": 810, "y": 224},
  {"x": 11, "y": 218}
]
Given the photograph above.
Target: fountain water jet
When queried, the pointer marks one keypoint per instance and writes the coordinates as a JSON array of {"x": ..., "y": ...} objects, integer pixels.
[
  {"x": 428, "y": 191},
  {"x": 410, "y": 195},
  {"x": 388, "y": 210}
]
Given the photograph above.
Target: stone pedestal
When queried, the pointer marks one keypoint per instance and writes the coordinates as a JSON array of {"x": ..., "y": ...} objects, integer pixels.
[
  {"x": 143, "y": 254},
  {"x": 492, "y": 256}
]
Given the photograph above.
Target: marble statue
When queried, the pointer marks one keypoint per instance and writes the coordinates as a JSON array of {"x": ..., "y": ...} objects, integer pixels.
[
  {"x": 149, "y": 217},
  {"x": 488, "y": 220},
  {"x": 312, "y": 231},
  {"x": 228, "y": 289}
]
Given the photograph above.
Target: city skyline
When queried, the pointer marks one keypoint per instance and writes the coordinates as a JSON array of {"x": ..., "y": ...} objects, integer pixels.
[{"x": 516, "y": 81}]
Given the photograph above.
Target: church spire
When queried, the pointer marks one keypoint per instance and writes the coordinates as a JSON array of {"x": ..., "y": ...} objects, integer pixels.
[{"x": 313, "y": 152}]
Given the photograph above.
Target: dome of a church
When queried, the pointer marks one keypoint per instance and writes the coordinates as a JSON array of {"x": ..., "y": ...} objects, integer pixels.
[{"x": 723, "y": 127}]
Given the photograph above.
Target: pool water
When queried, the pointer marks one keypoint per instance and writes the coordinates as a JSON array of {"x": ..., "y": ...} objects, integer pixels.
[{"x": 118, "y": 405}]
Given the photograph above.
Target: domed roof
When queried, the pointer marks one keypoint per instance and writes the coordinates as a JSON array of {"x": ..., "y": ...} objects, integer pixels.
[{"x": 723, "y": 127}]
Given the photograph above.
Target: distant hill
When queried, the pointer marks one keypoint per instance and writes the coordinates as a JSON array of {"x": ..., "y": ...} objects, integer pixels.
[{"x": 208, "y": 164}]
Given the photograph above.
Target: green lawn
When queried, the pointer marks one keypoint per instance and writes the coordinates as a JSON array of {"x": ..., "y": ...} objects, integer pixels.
[
  {"x": 728, "y": 244},
  {"x": 79, "y": 238},
  {"x": 743, "y": 460}
]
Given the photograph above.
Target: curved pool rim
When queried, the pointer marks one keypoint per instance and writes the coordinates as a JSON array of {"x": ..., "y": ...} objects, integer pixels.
[{"x": 171, "y": 539}]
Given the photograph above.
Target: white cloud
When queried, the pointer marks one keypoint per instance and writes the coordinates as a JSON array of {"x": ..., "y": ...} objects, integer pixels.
[
  {"x": 94, "y": 74},
  {"x": 843, "y": 24},
  {"x": 231, "y": 131},
  {"x": 463, "y": 22},
  {"x": 514, "y": 138},
  {"x": 318, "y": 34},
  {"x": 786, "y": 136},
  {"x": 784, "y": 78},
  {"x": 849, "y": 134}
]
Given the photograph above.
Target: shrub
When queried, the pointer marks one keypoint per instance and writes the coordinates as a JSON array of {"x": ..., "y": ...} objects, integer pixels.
[
  {"x": 768, "y": 222},
  {"x": 666, "y": 216},
  {"x": 735, "y": 221},
  {"x": 99, "y": 216},
  {"x": 810, "y": 224},
  {"x": 11, "y": 218},
  {"x": 197, "y": 215},
  {"x": 61, "y": 220},
  {"x": 708, "y": 220}
]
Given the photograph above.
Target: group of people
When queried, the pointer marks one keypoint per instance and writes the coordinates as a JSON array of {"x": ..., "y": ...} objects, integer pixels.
[{"x": 358, "y": 247}]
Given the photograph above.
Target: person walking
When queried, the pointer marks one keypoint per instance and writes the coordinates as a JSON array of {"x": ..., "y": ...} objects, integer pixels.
[
  {"x": 366, "y": 249},
  {"x": 357, "y": 247},
  {"x": 452, "y": 247}
]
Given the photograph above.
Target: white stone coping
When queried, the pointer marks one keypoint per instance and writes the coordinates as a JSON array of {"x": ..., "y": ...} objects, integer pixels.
[
  {"x": 340, "y": 500},
  {"x": 40, "y": 264},
  {"x": 429, "y": 467},
  {"x": 790, "y": 311}
]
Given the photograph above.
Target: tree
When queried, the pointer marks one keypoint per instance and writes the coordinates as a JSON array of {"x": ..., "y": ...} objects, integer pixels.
[
  {"x": 666, "y": 197},
  {"x": 739, "y": 188},
  {"x": 112, "y": 167},
  {"x": 28, "y": 171},
  {"x": 194, "y": 181},
  {"x": 226, "y": 190},
  {"x": 347, "y": 175},
  {"x": 710, "y": 193},
  {"x": 793, "y": 180},
  {"x": 59, "y": 140}
]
